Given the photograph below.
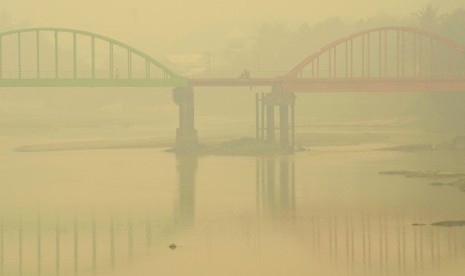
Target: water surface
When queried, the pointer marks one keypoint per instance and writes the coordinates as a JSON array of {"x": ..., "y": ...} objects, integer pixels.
[{"x": 326, "y": 211}]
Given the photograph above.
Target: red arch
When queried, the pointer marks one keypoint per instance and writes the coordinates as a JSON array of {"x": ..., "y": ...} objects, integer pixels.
[{"x": 443, "y": 39}]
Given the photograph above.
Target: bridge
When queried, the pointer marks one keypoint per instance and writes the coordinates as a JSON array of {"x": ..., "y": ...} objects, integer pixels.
[{"x": 385, "y": 59}]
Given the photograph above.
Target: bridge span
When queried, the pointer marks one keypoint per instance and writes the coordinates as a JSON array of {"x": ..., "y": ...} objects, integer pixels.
[
  {"x": 385, "y": 59},
  {"x": 295, "y": 85}
]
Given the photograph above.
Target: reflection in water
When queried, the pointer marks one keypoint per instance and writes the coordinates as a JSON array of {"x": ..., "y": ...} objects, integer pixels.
[
  {"x": 94, "y": 241},
  {"x": 374, "y": 243},
  {"x": 382, "y": 244},
  {"x": 275, "y": 186},
  {"x": 2, "y": 234},
  {"x": 367, "y": 241},
  {"x": 185, "y": 207},
  {"x": 89, "y": 243},
  {"x": 72, "y": 245}
]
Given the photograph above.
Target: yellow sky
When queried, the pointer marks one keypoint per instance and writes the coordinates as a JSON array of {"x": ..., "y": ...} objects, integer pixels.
[{"x": 144, "y": 22}]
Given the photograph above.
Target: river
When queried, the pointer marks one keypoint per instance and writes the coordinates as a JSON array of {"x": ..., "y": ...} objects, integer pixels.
[{"x": 323, "y": 211}]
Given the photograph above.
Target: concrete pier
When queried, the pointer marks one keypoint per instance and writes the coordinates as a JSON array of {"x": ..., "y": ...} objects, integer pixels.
[
  {"x": 186, "y": 134},
  {"x": 265, "y": 121},
  {"x": 270, "y": 126}
]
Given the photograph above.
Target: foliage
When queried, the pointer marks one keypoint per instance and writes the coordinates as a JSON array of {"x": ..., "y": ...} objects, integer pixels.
[
  {"x": 452, "y": 25},
  {"x": 429, "y": 18},
  {"x": 281, "y": 47}
]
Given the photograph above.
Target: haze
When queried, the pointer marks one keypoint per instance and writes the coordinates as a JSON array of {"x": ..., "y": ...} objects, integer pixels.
[
  {"x": 260, "y": 149},
  {"x": 167, "y": 22}
]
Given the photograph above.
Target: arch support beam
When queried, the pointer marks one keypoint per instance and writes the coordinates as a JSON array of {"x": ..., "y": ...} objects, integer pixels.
[
  {"x": 186, "y": 134},
  {"x": 386, "y": 39}
]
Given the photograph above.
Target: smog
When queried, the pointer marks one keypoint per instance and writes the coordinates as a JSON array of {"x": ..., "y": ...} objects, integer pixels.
[{"x": 232, "y": 137}]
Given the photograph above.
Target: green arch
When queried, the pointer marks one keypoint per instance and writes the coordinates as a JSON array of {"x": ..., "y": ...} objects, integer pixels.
[{"x": 176, "y": 79}]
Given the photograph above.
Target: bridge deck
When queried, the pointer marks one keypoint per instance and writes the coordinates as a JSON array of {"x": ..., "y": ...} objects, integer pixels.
[
  {"x": 90, "y": 82},
  {"x": 341, "y": 85},
  {"x": 297, "y": 85}
]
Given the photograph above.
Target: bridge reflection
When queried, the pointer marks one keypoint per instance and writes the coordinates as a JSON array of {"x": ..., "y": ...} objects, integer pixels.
[
  {"x": 185, "y": 205},
  {"x": 377, "y": 242},
  {"x": 49, "y": 242},
  {"x": 91, "y": 243},
  {"x": 275, "y": 186}
]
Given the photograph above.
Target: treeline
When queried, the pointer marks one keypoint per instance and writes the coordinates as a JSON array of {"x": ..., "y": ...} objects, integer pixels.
[{"x": 278, "y": 47}]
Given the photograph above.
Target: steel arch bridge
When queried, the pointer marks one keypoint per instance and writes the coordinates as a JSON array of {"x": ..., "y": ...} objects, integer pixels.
[
  {"x": 382, "y": 59},
  {"x": 386, "y": 59},
  {"x": 38, "y": 60}
]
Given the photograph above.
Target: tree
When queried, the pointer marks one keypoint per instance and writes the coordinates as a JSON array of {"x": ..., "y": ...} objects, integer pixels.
[
  {"x": 445, "y": 111},
  {"x": 429, "y": 18},
  {"x": 453, "y": 25}
]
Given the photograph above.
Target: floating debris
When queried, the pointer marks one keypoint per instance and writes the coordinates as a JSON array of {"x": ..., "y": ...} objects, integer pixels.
[
  {"x": 458, "y": 183},
  {"x": 395, "y": 172},
  {"x": 436, "y": 184},
  {"x": 411, "y": 148},
  {"x": 424, "y": 174},
  {"x": 449, "y": 223},
  {"x": 172, "y": 246},
  {"x": 418, "y": 224}
]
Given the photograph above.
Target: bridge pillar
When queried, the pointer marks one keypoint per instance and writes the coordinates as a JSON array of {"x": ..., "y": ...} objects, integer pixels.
[
  {"x": 270, "y": 126},
  {"x": 186, "y": 134},
  {"x": 284, "y": 125},
  {"x": 286, "y": 103}
]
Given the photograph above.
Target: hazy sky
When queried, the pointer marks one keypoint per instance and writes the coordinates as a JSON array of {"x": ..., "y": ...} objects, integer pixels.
[{"x": 173, "y": 19}]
